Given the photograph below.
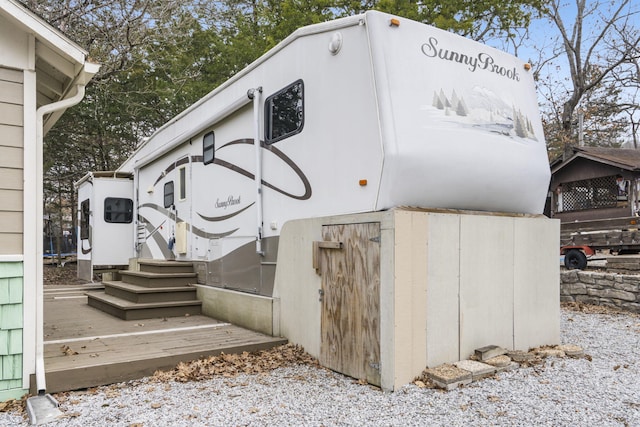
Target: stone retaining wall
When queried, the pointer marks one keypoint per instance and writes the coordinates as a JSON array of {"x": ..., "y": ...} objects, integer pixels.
[{"x": 608, "y": 289}]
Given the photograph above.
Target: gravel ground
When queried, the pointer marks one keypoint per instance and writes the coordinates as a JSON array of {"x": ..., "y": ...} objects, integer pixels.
[{"x": 603, "y": 391}]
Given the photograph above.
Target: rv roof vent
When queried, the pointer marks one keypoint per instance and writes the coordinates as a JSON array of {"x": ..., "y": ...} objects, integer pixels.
[{"x": 335, "y": 44}]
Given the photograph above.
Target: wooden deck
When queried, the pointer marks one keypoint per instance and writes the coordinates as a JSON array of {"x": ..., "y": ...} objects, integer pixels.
[{"x": 85, "y": 347}]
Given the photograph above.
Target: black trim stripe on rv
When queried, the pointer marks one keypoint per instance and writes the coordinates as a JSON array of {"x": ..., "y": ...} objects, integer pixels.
[
  {"x": 224, "y": 217},
  {"x": 195, "y": 230},
  {"x": 249, "y": 141}
]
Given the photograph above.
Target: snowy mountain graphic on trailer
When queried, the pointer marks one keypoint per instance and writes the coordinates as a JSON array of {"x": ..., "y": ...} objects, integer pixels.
[{"x": 483, "y": 109}]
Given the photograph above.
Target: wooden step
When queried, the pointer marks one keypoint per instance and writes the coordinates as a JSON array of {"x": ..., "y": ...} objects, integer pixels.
[
  {"x": 158, "y": 280},
  {"x": 111, "y": 350},
  {"x": 126, "y": 357},
  {"x": 162, "y": 266},
  {"x": 144, "y": 295},
  {"x": 128, "y": 310}
]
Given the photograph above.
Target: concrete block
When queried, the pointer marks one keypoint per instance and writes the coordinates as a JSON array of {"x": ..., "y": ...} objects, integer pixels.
[
  {"x": 550, "y": 352},
  {"x": 478, "y": 370},
  {"x": 571, "y": 350},
  {"x": 521, "y": 356},
  {"x": 488, "y": 352},
  {"x": 448, "y": 376},
  {"x": 250, "y": 311},
  {"x": 500, "y": 361},
  {"x": 510, "y": 367}
]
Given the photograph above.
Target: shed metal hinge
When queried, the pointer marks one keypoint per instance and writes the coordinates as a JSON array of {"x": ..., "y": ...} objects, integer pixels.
[{"x": 375, "y": 239}]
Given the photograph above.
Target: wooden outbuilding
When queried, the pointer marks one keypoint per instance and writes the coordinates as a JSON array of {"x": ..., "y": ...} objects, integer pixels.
[{"x": 595, "y": 183}]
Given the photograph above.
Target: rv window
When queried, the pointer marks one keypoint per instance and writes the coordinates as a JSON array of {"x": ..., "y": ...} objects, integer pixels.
[
  {"x": 118, "y": 210},
  {"x": 84, "y": 219},
  {"x": 208, "y": 148},
  {"x": 284, "y": 113},
  {"x": 168, "y": 194},
  {"x": 182, "y": 182}
]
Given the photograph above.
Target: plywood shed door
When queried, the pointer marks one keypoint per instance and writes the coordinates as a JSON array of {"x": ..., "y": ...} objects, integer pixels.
[{"x": 350, "y": 324}]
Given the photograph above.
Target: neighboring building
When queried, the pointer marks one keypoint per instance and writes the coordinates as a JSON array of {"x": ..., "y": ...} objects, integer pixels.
[
  {"x": 42, "y": 73},
  {"x": 596, "y": 183}
]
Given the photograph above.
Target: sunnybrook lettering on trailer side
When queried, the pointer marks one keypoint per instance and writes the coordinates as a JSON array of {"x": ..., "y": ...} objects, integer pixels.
[
  {"x": 229, "y": 202},
  {"x": 482, "y": 61}
]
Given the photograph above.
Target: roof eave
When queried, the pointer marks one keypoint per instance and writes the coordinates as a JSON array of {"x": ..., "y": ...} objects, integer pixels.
[
  {"x": 594, "y": 159},
  {"x": 83, "y": 77},
  {"x": 42, "y": 30}
]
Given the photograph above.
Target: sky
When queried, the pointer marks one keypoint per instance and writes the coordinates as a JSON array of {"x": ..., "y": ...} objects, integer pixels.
[{"x": 543, "y": 35}]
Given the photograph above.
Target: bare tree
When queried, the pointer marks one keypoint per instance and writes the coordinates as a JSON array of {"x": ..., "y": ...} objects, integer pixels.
[
  {"x": 629, "y": 78},
  {"x": 597, "y": 40}
]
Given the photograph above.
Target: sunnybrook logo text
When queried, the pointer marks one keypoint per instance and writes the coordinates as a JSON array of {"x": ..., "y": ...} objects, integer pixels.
[
  {"x": 481, "y": 61},
  {"x": 229, "y": 202}
]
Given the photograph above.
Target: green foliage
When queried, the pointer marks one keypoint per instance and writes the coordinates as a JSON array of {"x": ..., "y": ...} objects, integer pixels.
[{"x": 477, "y": 19}]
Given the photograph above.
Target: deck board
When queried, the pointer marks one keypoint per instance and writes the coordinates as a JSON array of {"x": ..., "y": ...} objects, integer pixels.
[{"x": 111, "y": 350}]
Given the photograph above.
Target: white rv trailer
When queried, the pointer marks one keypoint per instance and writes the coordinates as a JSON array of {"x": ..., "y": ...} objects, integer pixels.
[
  {"x": 360, "y": 114},
  {"x": 105, "y": 216}
]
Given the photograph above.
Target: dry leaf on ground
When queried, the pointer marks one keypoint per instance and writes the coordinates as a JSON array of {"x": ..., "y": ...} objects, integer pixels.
[
  {"x": 68, "y": 351},
  {"x": 230, "y": 365}
]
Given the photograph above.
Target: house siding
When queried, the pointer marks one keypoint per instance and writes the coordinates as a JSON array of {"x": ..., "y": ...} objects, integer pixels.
[
  {"x": 11, "y": 161},
  {"x": 11, "y": 330}
]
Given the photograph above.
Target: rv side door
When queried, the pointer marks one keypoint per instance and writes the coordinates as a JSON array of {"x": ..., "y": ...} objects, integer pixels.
[{"x": 182, "y": 205}]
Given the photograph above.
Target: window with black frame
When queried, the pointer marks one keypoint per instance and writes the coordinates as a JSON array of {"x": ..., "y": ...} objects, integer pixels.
[
  {"x": 208, "y": 148},
  {"x": 168, "y": 194},
  {"x": 284, "y": 113},
  {"x": 182, "y": 183},
  {"x": 118, "y": 210}
]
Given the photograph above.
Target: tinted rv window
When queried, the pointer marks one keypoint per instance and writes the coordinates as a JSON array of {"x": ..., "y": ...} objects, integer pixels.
[
  {"x": 168, "y": 194},
  {"x": 84, "y": 219},
  {"x": 118, "y": 210},
  {"x": 208, "y": 148},
  {"x": 182, "y": 181},
  {"x": 284, "y": 113}
]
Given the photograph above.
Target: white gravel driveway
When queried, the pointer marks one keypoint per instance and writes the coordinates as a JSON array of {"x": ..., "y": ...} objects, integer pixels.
[{"x": 561, "y": 392}]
